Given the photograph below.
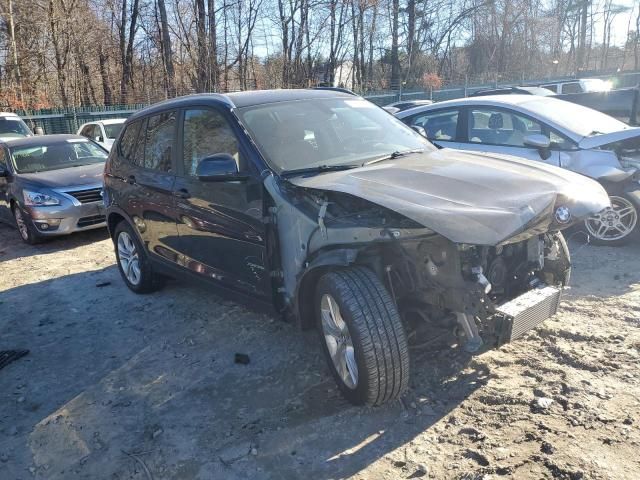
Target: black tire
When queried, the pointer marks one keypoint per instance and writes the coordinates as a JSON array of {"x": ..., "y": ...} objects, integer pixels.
[
  {"x": 148, "y": 281},
  {"x": 377, "y": 334},
  {"x": 27, "y": 231},
  {"x": 617, "y": 242}
]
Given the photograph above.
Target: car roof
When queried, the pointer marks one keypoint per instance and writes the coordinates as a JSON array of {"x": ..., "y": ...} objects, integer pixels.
[
  {"x": 111, "y": 121},
  {"x": 514, "y": 100},
  {"x": 241, "y": 99},
  {"x": 39, "y": 140},
  {"x": 9, "y": 114}
]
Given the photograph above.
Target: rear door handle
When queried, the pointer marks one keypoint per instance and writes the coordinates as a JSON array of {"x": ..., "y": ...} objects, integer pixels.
[
  {"x": 181, "y": 193},
  {"x": 131, "y": 180}
]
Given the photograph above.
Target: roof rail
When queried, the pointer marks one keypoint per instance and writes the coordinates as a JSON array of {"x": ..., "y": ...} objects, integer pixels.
[{"x": 337, "y": 89}]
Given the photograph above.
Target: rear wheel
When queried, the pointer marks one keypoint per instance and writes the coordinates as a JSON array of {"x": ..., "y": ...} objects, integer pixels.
[
  {"x": 362, "y": 336},
  {"x": 615, "y": 225},
  {"x": 25, "y": 227},
  {"x": 133, "y": 263}
]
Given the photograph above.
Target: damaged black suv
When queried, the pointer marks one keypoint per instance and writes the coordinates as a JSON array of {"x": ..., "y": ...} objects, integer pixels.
[{"x": 325, "y": 207}]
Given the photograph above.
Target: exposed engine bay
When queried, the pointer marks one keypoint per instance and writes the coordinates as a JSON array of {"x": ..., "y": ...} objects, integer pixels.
[{"x": 437, "y": 284}]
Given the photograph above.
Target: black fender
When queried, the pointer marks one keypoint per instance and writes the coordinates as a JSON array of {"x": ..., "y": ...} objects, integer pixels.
[
  {"x": 115, "y": 210},
  {"x": 307, "y": 279},
  {"x": 632, "y": 190}
]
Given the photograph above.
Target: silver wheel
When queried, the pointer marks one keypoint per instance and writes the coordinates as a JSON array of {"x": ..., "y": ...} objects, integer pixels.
[
  {"x": 338, "y": 339},
  {"x": 613, "y": 223},
  {"x": 21, "y": 223},
  {"x": 129, "y": 258}
]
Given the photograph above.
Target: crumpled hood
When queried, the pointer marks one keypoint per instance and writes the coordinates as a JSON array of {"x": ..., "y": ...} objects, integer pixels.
[
  {"x": 596, "y": 141},
  {"x": 481, "y": 199},
  {"x": 67, "y": 177}
]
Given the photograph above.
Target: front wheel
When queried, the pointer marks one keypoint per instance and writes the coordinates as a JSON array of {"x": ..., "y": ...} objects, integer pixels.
[
  {"x": 615, "y": 225},
  {"x": 25, "y": 227},
  {"x": 135, "y": 268},
  {"x": 363, "y": 337}
]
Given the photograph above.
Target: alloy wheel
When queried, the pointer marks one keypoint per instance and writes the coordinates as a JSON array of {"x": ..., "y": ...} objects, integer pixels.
[
  {"x": 21, "y": 223},
  {"x": 613, "y": 223},
  {"x": 338, "y": 340},
  {"x": 129, "y": 258}
]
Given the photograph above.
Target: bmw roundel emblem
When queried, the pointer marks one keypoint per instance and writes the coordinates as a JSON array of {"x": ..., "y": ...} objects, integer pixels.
[{"x": 563, "y": 215}]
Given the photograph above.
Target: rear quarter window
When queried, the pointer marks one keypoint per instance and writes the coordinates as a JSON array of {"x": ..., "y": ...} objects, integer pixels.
[{"x": 129, "y": 142}]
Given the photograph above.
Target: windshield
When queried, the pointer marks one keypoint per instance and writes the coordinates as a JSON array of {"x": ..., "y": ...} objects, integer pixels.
[
  {"x": 326, "y": 132},
  {"x": 581, "y": 121},
  {"x": 13, "y": 127},
  {"x": 112, "y": 130},
  {"x": 54, "y": 156}
]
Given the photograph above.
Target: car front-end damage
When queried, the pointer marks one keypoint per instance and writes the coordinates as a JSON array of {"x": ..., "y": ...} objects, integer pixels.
[{"x": 486, "y": 271}]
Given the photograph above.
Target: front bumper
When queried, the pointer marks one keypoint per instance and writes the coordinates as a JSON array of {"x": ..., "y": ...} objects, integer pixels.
[
  {"x": 67, "y": 218},
  {"x": 526, "y": 312}
]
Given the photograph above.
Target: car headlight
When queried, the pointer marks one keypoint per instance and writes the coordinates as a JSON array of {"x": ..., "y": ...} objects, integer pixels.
[{"x": 39, "y": 199}]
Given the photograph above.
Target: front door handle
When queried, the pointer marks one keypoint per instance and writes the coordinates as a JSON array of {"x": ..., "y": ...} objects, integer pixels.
[
  {"x": 181, "y": 193},
  {"x": 131, "y": 180}
]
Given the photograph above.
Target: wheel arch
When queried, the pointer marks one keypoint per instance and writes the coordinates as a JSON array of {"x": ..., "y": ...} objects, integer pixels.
[{"x": 323, "y": 262}]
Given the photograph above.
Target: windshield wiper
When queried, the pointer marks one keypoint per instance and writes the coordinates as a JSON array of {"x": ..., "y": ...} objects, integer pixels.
[
  {"x": 317, "y": 169},
  {"x": 393, "y": 156}
]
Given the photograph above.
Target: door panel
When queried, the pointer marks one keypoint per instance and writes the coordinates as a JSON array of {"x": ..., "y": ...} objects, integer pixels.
[
  {"x": 222, "y": 235},
  {"x": 147, "y": 176}
]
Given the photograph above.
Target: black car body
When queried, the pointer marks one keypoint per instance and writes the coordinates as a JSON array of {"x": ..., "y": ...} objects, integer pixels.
[{"x": 245, "y": 191}]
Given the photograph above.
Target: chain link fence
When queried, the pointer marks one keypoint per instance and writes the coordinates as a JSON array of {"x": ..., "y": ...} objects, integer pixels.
[{"x": 69, "y": 120}]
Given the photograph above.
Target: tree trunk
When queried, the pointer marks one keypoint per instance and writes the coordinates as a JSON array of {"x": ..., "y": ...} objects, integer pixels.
[
  {"x": 106, "y": 88},
  {"x": 170, "y": 80},
  {"x": 213, "y": 48},
  {"x": 395, "y": 63}
]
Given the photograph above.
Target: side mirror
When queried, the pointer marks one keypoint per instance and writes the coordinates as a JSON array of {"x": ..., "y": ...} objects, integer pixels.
[
  {"x": 420, "y": 130},
  {"x": 218, "y": 167},
  {"x": 541, "y": 142},
  {"x": 537, "y": 140},
  {"x": 99, "y": 138},
  {"x": 39, "y": 131},
  {"x": 3, "y": 172}
]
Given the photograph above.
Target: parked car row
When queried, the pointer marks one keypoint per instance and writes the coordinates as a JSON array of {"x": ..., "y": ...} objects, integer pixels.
[{"x": 323, "y": 207}]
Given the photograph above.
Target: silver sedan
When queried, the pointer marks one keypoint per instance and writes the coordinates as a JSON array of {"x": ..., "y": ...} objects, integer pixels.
[
  {"x": 552, "y": 131},
  {"x": 51, "y": 185}
]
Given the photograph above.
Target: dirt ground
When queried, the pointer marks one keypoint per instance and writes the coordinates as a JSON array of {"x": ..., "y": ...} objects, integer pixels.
[{"x": 119, "y": 386}]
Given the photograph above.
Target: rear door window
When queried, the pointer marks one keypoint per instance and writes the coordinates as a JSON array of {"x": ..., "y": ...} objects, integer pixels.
[
  {"x": 129, "y": 142},
  {"x": 572, "y": 87},
  {"x": 159, "y": 138}
]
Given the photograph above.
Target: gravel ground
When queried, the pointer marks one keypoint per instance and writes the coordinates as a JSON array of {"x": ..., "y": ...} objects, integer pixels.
[{"x": 119, "y": 386}]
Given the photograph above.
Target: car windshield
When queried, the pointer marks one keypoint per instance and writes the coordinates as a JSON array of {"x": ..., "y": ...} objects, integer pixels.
[
  {"x": 326, "y": 132},
  {"x": 113, "y": 130},
  {"x": 54, "y": 156},
  {"x": 582, "y": 121},
  {"x": 13, "y": 127}
]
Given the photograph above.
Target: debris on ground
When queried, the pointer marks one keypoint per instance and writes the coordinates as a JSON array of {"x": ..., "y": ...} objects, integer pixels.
[
  {"x": 8, "y": 356},
  {"x": 242, "y": 358}
]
